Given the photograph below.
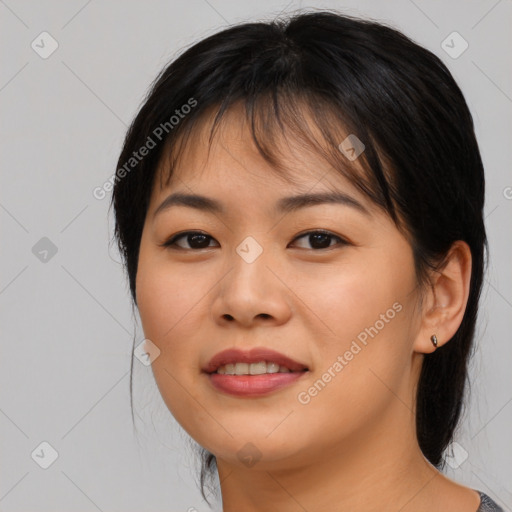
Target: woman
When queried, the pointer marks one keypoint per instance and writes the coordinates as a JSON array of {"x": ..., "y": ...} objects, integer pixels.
[{"x": 299, "y": 209}]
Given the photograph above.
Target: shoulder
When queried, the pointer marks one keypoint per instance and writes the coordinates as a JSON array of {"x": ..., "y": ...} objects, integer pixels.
[{"x": 487, "y": 504}]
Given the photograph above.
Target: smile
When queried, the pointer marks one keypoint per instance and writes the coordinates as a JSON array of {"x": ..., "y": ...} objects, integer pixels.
[
  {"x": 251, "y": 373},
  {"x": 252, "y": 368}
]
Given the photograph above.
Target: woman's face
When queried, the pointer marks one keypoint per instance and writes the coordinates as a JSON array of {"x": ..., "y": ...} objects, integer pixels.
[{"x": 342, "y": 304}]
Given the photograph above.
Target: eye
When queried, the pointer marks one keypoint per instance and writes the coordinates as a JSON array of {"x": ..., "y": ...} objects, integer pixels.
[
  {"x": 320, "y": 239},
  {"x": 194, "y": 239}
]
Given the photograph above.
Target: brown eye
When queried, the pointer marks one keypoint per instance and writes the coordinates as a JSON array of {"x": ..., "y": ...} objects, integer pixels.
[
  {"x": 321, "y": 239},
  {"x": 194, "y": 239}
]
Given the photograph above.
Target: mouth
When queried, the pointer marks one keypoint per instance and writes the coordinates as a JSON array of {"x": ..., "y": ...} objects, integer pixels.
[
  {"x": 259, "y": 368},
  {"x": 252, "y": 373},
  {"x": 252, "y": 362}
]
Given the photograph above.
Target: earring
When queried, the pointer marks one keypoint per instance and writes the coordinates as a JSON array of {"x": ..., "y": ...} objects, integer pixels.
[{"x": 433, "y": 339}]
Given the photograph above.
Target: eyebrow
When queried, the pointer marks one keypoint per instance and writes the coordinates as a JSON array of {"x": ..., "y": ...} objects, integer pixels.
[{"x": 283, "y": 205}]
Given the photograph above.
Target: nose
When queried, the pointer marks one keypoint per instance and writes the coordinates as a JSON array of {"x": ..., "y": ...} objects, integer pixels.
[{"x": 252, "y": 294}]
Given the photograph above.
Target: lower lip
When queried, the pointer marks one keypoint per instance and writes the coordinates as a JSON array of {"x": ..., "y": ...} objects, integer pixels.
[{"x": 253, "y": 385}]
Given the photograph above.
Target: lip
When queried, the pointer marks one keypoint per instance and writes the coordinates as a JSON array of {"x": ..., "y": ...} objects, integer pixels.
[
  {"x": 252, "y": 385},
  {"x": 255, "y": 355}
]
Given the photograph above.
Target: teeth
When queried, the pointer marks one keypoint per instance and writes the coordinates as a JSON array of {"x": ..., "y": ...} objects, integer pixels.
[
  {"x": 241, "y": 369},
  {"x": 272, "y": 367},
  {"x": 259, "y": 368}
]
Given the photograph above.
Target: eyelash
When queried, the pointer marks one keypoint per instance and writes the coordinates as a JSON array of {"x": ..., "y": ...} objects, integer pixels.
[{"x": 171, "y": 242}]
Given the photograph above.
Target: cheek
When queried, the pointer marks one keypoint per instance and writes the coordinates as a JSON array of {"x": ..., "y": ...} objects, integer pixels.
[
  {"x": 169, "y": 303},
  {"x": 362, "y": 373},
  {"x": 166, "y": 296},
  {"x": 365, "y": 355},
  {"x": 361, "y": 295}
]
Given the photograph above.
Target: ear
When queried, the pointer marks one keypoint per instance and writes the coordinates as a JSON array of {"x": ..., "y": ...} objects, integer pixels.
[{"x": 445, "y": 301}]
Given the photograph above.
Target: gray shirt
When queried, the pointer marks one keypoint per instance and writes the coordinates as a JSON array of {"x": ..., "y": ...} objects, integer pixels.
[{"x": 487, "y": 504}]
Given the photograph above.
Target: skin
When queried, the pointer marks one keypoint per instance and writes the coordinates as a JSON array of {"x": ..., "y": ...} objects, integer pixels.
[{"x": 352, "y": 446}]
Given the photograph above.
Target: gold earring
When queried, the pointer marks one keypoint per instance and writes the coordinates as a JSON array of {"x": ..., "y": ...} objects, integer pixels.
[{"x": 433, "y": 339}]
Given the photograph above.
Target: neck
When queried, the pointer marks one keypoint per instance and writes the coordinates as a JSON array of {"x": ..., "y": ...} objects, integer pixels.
[{"x": 378, "y": 469}]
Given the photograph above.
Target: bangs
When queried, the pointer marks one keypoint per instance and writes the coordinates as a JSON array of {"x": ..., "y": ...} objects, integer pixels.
[{"x": 281, "y": 121}]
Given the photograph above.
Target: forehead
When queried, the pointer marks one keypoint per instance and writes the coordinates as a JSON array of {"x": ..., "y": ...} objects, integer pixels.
[{"x": 232, "y": 157}]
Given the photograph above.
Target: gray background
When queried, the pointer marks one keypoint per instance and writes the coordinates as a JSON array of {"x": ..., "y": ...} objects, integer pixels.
[{"x": 66, "y": 320}]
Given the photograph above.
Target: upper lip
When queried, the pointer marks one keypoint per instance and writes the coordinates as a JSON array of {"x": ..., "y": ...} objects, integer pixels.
[{"x": 234, "y": 355}]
